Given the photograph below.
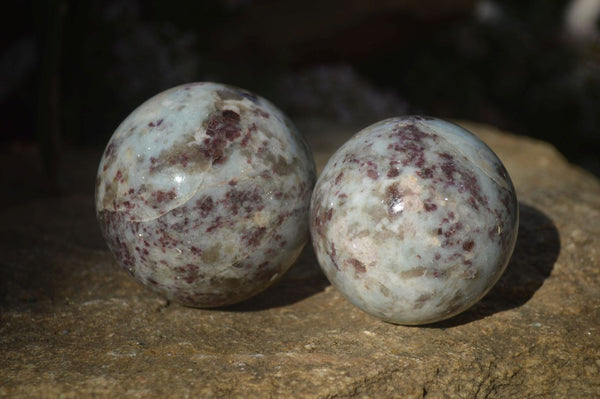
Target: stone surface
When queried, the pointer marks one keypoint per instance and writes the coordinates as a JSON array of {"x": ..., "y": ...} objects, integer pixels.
[
  {"x": 72, "y": 324},
  {"x": 203, "y": 193},
  {"x": 414, "y": 219}
]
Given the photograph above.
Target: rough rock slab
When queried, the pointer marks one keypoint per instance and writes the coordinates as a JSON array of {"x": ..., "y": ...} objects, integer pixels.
[{"x": 74, "y": 325}]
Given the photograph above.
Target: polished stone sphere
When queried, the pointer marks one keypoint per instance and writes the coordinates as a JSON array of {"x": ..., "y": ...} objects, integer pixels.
[
  {"x": 414, "y": 219},
  {"x": 203, "y": 194}
]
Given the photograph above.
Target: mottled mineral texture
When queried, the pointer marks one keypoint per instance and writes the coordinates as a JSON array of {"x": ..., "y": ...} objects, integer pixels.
[
  {"x": 202, "y": 194},
  {"x": 72, "y": 324},
  {"x": 414, "y": 219}
]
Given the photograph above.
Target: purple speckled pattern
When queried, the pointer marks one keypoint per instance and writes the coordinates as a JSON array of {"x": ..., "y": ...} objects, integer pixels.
[
  {"x": 203, "y": 194},
  {"x": 414, "y": 219}
]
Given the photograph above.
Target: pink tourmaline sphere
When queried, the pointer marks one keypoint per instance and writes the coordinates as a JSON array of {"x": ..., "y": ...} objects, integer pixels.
[
  {"x": 414, "y": 219},
  {"x": 203, "y": 194}
]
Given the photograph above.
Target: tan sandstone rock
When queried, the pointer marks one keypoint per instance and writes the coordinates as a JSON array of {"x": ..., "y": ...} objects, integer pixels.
[{"x": 74, "y": 325}]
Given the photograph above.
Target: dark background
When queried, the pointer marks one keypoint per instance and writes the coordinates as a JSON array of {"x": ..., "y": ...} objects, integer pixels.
[{"x": 73, "y": 70}]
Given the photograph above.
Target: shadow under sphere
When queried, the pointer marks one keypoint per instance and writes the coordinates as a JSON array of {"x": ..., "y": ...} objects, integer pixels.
[{"x": 536, "y": 251}]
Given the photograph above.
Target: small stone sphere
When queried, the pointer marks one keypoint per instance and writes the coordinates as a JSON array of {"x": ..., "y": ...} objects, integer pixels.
[
  {"x": 203, "y": 194},
  {"x": 414, "y": 219}
]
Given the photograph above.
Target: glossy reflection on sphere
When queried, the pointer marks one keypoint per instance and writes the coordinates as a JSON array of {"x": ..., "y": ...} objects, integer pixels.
[
  {"x": 414, "y": 219},
  {"x": 203, "y": 194}
]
